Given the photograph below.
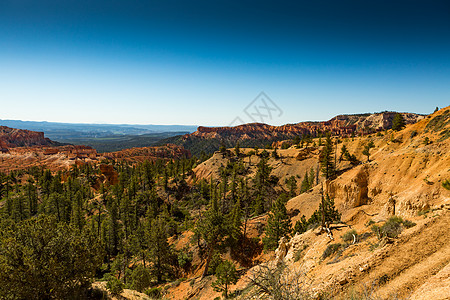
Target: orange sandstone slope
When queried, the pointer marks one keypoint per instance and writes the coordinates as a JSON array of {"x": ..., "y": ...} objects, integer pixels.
[
  {"x": 63, "y": 157},
  {"x": 403, "y": 177},
  {"x": 54, "y": 158},
  {"x": 408, "y": 166}
]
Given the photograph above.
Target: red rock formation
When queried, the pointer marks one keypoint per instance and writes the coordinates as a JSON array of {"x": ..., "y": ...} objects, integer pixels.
[
  {"x": 79, "y": 151},
  {"x": 111, "y": 175},
  {"x": 141, "y": 154},
  {"x": 51, "y": 151},
  {"x": 343, "y": 125},
  {"x": 12, "y": 137}
]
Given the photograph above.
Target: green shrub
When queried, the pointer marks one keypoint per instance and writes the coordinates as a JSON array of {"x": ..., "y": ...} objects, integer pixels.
[
  {"x": 140, "y": 278},
  {"x": 423, "y": 212},
  {"x": 154, "y": 293},
  {"x": 390, "y": 229},
  {"x": 408, "y": 224},
  {"x": 331, "y": 249},
  {"x": 216, "y": 260},
  {"x": 446, "y": 184},
  {"x": 377, "y": 230},
  {"x": 115, "y": 286},
  {"x": 184, "y": 258},
  {"x": 106, "y": 277},
  {"x": 348, "y": 236},
  {"x": 300, "y": 253},
  {"x": 371, "y": 222},
  {"x": 373, "y": 246}
]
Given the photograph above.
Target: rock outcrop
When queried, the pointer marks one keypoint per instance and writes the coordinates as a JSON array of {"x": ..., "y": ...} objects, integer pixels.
[
  {"x": 12, "y": 137},
  {"x": 141, "y": 154},
  {"x": 209, "y": 139},
  {"x": 110, "y": 174},
  {"x": 353, "y": 192},
  {"x": 339, "y": 125}
]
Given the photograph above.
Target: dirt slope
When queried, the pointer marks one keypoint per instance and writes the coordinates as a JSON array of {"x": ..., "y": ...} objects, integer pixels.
[{"x": 403, "y": 177}]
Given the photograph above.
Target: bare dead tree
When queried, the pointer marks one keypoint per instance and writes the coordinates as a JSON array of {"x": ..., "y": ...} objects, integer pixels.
[{"x": 279, "y": 283}]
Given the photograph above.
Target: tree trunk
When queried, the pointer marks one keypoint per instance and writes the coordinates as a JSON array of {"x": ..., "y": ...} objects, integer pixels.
[{"x": 208, "y": 260}]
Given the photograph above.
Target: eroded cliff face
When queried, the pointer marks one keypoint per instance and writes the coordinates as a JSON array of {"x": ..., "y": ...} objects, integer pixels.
[
  {"x": 352, "y": 191},
  {"x": 12, "y": 137},
  {"x": 343, "y": 125},
  {"x": 22, "y": 149},
  {"x": 404, "y": 178},
  {"x": 141, "y": 154}
]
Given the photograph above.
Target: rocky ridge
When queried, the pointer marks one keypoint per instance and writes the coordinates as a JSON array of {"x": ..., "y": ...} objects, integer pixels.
[
  {"x": 209, "y": 139},
  {"x": 12, "y": 137},
  {"x": 140, "y": 154}
]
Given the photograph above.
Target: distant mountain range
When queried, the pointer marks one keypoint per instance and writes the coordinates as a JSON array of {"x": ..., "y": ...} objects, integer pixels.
[
  {"x": 103, "y": 137},
  {"x": 61, "y": 131}
]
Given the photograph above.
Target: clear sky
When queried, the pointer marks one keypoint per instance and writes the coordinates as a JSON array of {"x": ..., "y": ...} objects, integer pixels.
[{"x": 204, "y": 62}]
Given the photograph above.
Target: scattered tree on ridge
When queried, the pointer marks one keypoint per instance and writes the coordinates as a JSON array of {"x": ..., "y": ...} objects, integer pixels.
[
  {"x": 278, "y": 223},
  {"x": 226, "y": 275},
  {"x": 398, "y": 122},
  {"x": 367, "y": 148},
  {"x": 327, "y": 163}
]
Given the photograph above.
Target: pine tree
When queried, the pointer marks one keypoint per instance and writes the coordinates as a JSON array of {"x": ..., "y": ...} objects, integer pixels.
[
  {"x": 327, "y": 163},
  {"x": 77, "y": 211},
  {"x": 233, "y": 186},
  {"x": 328, "y": 211},
  {"x": 234, "y": 224},
  {"x": 367, "y": 148},
  {"x": 278, "y": 224},
  {"x": 344, "y": 152},
  {"x": 312, "y": 177},
  {"x": 32, "y": 197},
  {"x": 52, "y": 260},
  {"x": 292, "y": 186},
  {"x": 226, "y": 275},
  {"x": 113, "y": 229},
  {"x": 211, "y": 228},
  {"x": 261, "y": 181},
  {"x": 305, "y": 184},
  {"x": 159, "y": 248},
  {"x": 275, "y": 154},
  {"x": 398, "y": 122},
  {"x": 258, "y": 206},
  {"x": 237, "y": 150}
]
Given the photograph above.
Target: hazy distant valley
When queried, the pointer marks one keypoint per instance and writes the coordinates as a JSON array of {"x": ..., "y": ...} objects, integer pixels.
[{"x": 103, "y": 137}]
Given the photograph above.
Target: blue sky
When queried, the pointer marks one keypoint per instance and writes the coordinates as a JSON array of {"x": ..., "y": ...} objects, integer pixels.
[{"x": 203, "y": 62}]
